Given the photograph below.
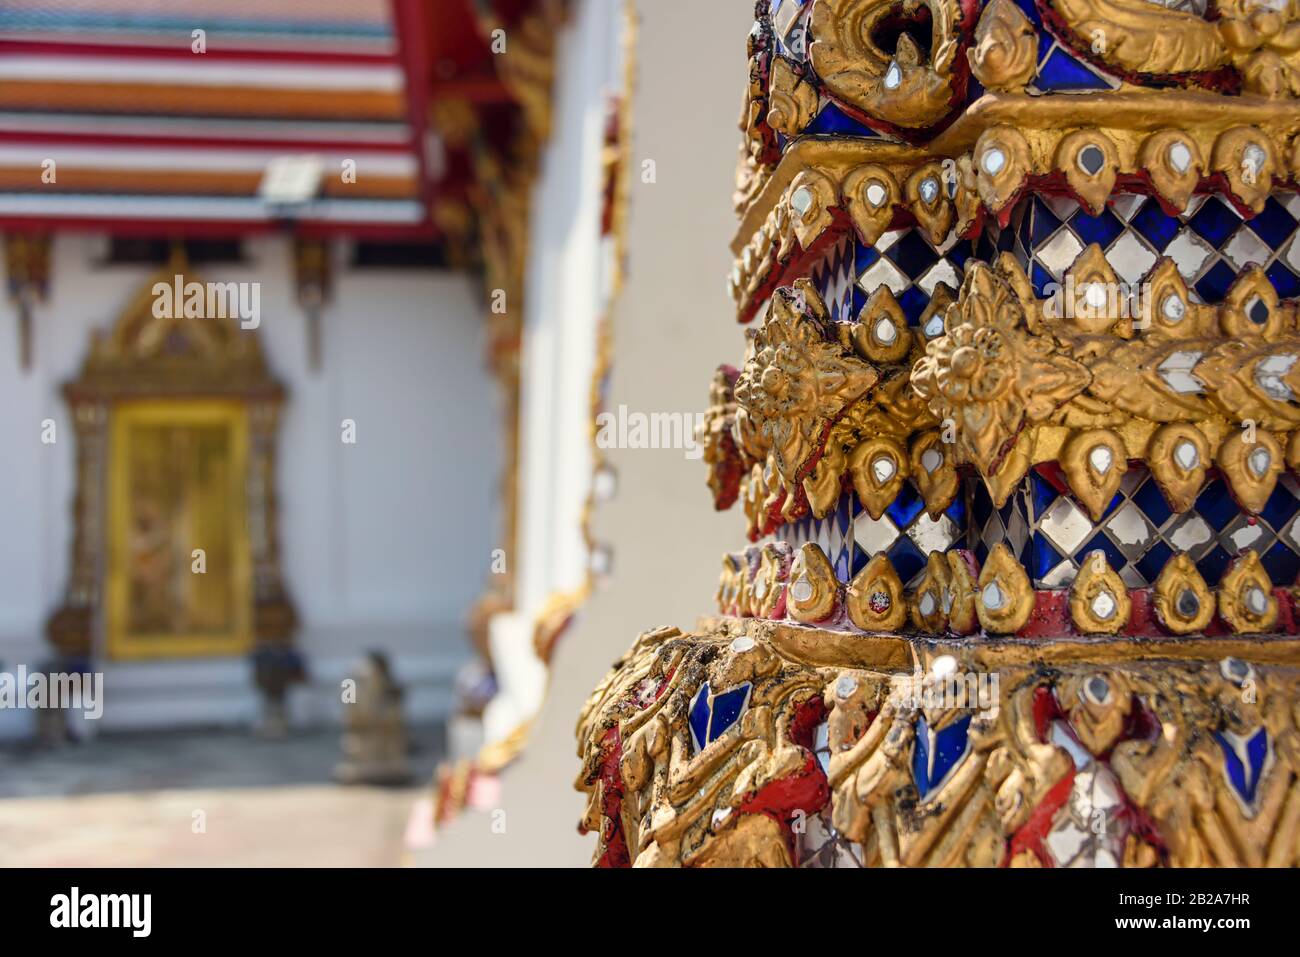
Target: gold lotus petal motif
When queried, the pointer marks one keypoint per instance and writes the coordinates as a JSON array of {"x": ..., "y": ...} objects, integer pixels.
[
  {"x": 878, "y": 467},
  {"x": 1248, "y": 160},
  {"x": 1251, "y": 464},
  {"x": 729, "y": 584},
  {"x": 1089, "y": 312},
  {"x": 881, "y": 334},
  {"x": 1174, "y": 162},
  {"x": 1094, "y": 461},
  {"x": 961, "y": 597},
  {"x": 875, "y": 599},
  {"x": 1099, "y": 602},
  {"x": 933, "y": 592},
  {"x": 810, "y": 595},
  {"x": 770, "y": 581},
  {"x": 934, "y": 472},
  {"x": 1250, "y": 309},
  {"x": 811, "y": 198},
  {"x": 1246, "y": 600},
  {"x": 1179, "y": 455},
  {"x": 1169, "y": 310},
  {"x": 966, "y": 200},
  {"x": 1006, "y": 599},
  {"x": 1002, "y": 161},
  {"x": 927, "y": 197},
  {"x": 1090, "y": 163},
  {"x": 1183, "y": 602},
  {"x": 822, "y": 484},
  {"x": 870, "y": 195},
  {"x": 1014, "y": 466}
]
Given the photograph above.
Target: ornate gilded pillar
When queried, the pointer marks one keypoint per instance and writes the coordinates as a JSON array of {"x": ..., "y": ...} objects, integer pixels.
[{"x": 1017, "y": 448}]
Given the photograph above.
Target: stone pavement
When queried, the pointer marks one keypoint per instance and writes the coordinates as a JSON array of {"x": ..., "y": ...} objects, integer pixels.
[{"x": 202, "y": 799}]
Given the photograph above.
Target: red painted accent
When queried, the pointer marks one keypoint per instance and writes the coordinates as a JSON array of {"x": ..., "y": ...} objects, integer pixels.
[
  {"x": 409, "y": 18},
  {"x": 1032, "y": 833},
  {"x": 805, "y": 791},
  {"x": 199, "y": 229}
]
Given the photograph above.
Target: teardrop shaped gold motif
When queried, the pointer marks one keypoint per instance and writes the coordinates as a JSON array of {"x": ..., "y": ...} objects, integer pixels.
[
  {"x": 818, "y": 195},
  {"x": 871, "y": 219},
  {"x": 1250, "y": 467},
  {"x": 769, "y": 581},
  {"x": 810, "y": 595},
  {"x": 959, "y": 599},
  {"x": 877, "y": 468},
  {"x": 1094, "y": 461},
  {"x": 1092, "y": 271},
  {"x": 1179, "y": 455},
  {"x": 1002, "y": 161},
  {"x": 1250, "y": 287},
  {"x": 1005, "y": 600},
  {"x": 1246, "y": 599},
  {"x": 1234, "y": 155},
  {"x": 934, "y": 215},
  {"x": 881, "y": 334},
  {"x": 1010, "y": 471},
  {"x": 932, "y": 593},
  {"x": 1168, "y": 308},
  {"x": 728, "y": 594},
  {"x": 875, "y": 599},
  {"x": 934, "y": 472},
  {"x": 822, "y": 484},
  {"x": 1157, "y": 158},
  {"x": 1090, "y": 163},
  {"x": 1293, "y": 452},
  {"x": 1099, "y": 602},
  {"x": 1183, "y": 602}
]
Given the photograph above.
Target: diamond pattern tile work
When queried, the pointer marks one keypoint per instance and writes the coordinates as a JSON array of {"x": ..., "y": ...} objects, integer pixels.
[
  {"x": 833, "y": 280},
  {"x": 990, "y": 525},
  {"x": 850, "y": 537},
  {"x": 1138, "y": 532},
  {"x": 1060, "y": 70},
  {"x": 911, "y": 266},
  {"x": 906, "y": 533},
  {"x": 1209, "y": 241}
]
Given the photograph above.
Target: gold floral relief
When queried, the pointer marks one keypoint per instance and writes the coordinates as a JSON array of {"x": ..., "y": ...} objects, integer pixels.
[
  {"x": 796, "y": 380},
  {"x": 989, "y": 375}
]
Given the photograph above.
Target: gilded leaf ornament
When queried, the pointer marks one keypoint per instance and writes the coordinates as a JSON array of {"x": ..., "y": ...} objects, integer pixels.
[
  {"x": 796, "y": 381},
  {"x": 988, "y": 374}
]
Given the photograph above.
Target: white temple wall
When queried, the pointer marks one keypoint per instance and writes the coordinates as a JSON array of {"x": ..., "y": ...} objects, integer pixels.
[{"x": 385, "y": 543}]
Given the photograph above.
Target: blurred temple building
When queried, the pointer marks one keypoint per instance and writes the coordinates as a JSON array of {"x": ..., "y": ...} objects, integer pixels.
[{"x": 301, "y": 349}]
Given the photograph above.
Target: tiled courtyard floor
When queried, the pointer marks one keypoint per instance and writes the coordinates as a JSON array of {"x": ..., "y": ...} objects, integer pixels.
[{"x": 204, "y": 799}]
